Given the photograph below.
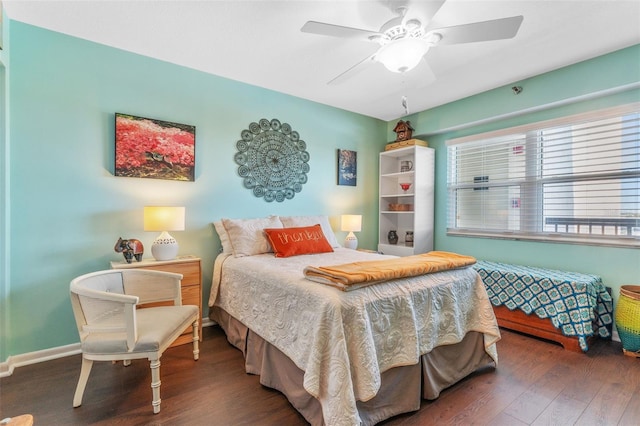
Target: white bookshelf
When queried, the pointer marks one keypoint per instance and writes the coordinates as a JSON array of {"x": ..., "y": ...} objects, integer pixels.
[{"x": 420, "y": 195}]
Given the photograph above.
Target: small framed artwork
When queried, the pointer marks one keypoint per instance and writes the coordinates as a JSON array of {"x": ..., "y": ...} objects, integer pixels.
[
  {"x": 347, "y": 167},
  {"x": 156, "y": 149}
]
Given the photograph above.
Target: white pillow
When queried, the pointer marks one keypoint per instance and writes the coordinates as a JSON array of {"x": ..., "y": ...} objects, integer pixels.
[
  {"x": 224, "y": 237},
  {"x": 247, "y": 236},
  {"x": 296, "y": 221}
]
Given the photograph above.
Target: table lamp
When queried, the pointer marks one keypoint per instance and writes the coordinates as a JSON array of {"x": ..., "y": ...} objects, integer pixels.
[
  {"x": 351, "y": 223},
  {"x": 164, "y": 219}
]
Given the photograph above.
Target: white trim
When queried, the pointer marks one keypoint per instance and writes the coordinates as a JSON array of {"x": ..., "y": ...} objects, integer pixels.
[
  {"x": 13, "y": 362},
  {"x": 531, "y": 110},
  {"x": 568, "y": 119},
  {"x": 615, "y": 336},
  {"x": 5, "y": 212},
  {"x": 585, "y": 239},
  {"x": 6, "y": 368}
]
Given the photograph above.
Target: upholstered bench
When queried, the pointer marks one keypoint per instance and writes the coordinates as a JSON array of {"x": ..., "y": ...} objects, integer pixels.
[{"x": 565, "y": 307}]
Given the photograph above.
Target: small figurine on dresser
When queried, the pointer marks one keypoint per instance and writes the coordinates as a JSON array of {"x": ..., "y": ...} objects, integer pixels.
[{"x": 130, "y": 248}]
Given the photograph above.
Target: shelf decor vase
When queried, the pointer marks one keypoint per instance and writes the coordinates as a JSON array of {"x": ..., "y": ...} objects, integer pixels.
[
  {"x": 392, "y": 236},
  {"x": 408, "y": 239},
  {"x": 627, "y": 319}
]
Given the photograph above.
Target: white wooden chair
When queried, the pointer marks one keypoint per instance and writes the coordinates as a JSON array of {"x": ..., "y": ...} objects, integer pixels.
[{"x": 111, "y": 327}]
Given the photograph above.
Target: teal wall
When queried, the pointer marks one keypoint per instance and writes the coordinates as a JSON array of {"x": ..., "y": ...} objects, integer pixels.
[
  {"x": 67, "y": 209},
  {"x": 559, "y": 93},
  {"x": 4, "y": 187}
]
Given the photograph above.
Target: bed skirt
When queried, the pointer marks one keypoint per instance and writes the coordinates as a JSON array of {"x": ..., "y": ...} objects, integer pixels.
[{"x": 402, "y": 388}]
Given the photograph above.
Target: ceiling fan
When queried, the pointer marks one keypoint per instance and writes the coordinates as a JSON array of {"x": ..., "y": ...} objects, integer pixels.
[{"x": 404, "y": 41}]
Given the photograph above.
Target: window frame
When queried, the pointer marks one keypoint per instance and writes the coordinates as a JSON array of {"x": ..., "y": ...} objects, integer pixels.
[{"x": 533, "y": 229}]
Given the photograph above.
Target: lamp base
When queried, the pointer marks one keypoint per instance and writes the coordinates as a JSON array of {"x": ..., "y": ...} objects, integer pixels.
[
  {"x": 165, "y": 247},
  {"x": 351, "y": 242}
]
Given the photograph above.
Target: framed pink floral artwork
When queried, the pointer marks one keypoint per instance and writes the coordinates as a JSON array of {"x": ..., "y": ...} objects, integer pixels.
[{"x": 156, "y": 149}]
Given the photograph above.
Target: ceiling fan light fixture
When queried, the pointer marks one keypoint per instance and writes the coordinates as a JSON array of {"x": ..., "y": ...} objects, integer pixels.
[
  {"x": 403, "y": 54},
  {"x": 412, "y": 25}
]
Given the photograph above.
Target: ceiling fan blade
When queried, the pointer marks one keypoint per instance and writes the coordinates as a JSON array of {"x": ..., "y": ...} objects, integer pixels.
[
  {"x": 422, "y": 10},
  {"x": 332, "y": 30},
  {"x": 354, "y": 70},
  {"x": 431, "y": 7},
  {"x": 496, "y": 29}
]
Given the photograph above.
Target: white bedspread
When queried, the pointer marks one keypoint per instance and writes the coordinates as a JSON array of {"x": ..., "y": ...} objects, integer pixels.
[{"x": 343, "y": 341}]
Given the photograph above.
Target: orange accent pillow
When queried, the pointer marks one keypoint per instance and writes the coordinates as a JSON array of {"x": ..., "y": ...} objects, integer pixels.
[{"x": 288, "y": 242}]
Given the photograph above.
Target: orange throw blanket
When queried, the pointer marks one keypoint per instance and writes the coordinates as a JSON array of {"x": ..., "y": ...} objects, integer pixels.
[{"x": 350, "y": 276}]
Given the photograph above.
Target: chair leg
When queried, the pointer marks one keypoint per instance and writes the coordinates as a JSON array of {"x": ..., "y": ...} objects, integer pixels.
[
  {"x": 82, "y": 381},
  {"x": 155, "y": 384},
  {"x": 196, "y": 341}
]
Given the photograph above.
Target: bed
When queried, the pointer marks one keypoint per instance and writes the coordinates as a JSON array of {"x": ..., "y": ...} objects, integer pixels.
[{"x": 347, "y": 357}]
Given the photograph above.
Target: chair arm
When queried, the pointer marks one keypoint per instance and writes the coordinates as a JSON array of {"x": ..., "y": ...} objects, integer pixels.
[
  {"x": 103, "y": 295},
  {"x": 153, "y": 286},
  {"x": 120, "y": 319},
  {"x": 104, "y": 312}
]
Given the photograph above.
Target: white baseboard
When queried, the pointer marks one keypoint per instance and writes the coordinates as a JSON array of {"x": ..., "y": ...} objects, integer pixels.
[
  {"x": 15, "y": 361},
  {"x": 6, "y": 368},
  {"x": 615, "y": 336}
]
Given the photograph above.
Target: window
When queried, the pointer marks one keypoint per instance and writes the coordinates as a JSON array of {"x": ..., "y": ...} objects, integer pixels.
[{"x": 575, "y": 179}]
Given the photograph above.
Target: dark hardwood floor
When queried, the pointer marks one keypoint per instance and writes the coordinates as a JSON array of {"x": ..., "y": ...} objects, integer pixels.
[{"x": 536, "y": 383}]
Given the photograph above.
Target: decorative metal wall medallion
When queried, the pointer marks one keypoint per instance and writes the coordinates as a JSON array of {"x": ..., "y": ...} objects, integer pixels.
[{"x": 272, "y": 160}]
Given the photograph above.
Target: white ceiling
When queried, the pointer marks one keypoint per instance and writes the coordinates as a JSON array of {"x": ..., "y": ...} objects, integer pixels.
[{"x": 260, "y": 43}]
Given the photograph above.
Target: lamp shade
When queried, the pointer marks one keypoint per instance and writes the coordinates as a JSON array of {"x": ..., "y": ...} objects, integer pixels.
[
  {"x": 351, "y": 222},
  {"x": 164, "y": 218}
]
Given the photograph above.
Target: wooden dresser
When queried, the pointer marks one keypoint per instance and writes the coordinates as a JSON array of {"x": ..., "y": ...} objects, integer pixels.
[{"x": 189, "y": 267}]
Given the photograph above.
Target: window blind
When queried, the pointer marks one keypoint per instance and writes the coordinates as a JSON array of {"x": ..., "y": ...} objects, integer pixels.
[{"x": 572, "y": 179}]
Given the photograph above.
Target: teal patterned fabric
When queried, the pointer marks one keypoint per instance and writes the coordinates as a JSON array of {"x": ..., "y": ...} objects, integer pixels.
[{"x": 576, "y": 303}]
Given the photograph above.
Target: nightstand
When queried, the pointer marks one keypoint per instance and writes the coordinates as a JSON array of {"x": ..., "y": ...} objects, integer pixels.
[{"x": 189, "y": 267}]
